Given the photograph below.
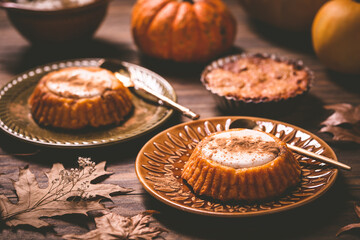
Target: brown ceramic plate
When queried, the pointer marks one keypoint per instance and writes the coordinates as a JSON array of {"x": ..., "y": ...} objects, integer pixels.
[
  {"x": 16, "y": 120},
  {"x": 160, "y": 162}
]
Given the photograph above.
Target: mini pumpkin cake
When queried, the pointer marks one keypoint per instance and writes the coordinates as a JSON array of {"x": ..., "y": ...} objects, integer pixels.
[
  {"x": 77, "y": 97},
  {"x": 256, "y": 81},
  {"x": 241, "y": 164}
]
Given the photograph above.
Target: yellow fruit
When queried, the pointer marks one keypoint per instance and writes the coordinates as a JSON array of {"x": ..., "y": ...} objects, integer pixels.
[{"x": 336, "y": 35}]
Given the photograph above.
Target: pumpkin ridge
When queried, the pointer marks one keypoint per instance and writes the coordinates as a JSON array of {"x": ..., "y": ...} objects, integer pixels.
[
  {"x": 225, "y": 19},
  {"x": 208, "y": 17},
  {"x": 158, "y": 33},
  {"x": 213, "y": 4},
  {"x": 202, "y": 48},
  {"x": 139, "y": 21},
  {"x": 184, "y": 32},
  {"x": 171, "y": 54}
]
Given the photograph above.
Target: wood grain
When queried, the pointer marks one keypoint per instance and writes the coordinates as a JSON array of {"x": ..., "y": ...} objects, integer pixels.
[{"x": 318, "y": 220}]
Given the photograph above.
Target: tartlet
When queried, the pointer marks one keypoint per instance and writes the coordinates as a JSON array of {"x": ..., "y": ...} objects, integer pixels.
[
  {"x": 241, "y": 165},
  {"x": 256, "y": 83},
  {"x": 78, "y": 97}
]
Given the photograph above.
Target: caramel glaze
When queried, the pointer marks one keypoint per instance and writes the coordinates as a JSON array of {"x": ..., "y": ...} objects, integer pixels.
[
  {"x": 224, "y": 183},
  {"x": 77, "y": 97}
]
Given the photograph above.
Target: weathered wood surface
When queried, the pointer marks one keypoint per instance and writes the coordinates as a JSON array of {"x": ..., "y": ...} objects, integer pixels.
[{"x": 320, "y": 219}]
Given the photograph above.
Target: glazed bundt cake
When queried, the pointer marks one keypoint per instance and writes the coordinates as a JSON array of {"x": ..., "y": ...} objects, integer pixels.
[{"x": 77, "y": 97}]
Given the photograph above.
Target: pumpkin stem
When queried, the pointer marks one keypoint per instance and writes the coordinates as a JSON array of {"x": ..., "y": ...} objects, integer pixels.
[{"x": 189, "y": 1}]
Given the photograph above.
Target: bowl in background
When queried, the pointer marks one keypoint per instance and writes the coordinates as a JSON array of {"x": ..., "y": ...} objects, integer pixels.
[{"x": 58, "y": 25}]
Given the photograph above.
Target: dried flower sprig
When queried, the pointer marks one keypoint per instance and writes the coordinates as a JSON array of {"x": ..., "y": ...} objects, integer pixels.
[{"x": 35, "y": 202}]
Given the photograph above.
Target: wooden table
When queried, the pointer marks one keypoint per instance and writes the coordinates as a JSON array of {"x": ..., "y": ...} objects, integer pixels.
[{"x": 320, "y": 219}]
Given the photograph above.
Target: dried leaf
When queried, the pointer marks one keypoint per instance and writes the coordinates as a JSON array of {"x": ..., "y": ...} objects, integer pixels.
[
  {"x": 347, "y": 228},
  {"x": 343, "y": 134},
  {"x": 344, "y": 123},
  {"x": 357, "y": 210},
  {"x": 114, "y": 226},
  {"x": 34, "y": 202},
  {"x": 344, "y": 113},
  {"x": 353, "y": 225}
]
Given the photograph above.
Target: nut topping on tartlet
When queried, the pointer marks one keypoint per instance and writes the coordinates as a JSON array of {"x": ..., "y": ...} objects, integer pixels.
[{"x": 257, "y": 78}]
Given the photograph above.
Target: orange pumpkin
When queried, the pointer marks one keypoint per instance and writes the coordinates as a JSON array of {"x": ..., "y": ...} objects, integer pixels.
[
  {"x": 183, "y": 30},
  {"x": 336, "y": 35},
  {"x": 293, "y": 15}
]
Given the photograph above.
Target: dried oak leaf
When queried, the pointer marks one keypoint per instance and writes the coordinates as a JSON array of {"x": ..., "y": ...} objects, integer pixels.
[
  {"x": 344, "y": 113},
  {"x": 344, "y": 123},
  {"x": 114, "y": 226},
  {"x": 353, "y": 225},
  {"x": 34, "y": 202},
  {"x": 342, "y": 134}
]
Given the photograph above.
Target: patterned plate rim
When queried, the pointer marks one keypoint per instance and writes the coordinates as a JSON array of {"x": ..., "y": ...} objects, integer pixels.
[
  {"x": 139, "y": 166},
  {"x": 45, "y": 68}
]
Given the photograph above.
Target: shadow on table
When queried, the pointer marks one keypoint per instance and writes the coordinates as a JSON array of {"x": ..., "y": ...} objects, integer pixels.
[
  {"x": 36, "y": 55},
  {"x": 186, "y": 71},
  {"x": 307, "y": 112},
  {"x": 298, "y": 41},
  {"x": 346, "y": 81}
]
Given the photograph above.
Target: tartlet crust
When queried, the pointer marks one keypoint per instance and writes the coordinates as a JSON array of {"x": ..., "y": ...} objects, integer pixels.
[
  {"x": 51, "y": 109},
  {"x": 214, "y": 180}
]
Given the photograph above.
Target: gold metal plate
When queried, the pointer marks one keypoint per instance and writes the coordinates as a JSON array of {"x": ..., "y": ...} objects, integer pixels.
[{"x": 16, "y": 120}]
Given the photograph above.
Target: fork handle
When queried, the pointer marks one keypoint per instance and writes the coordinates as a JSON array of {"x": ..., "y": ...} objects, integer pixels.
[
  {"x": 318, "y": 157},
  {"x": 168, "y": 102}
]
